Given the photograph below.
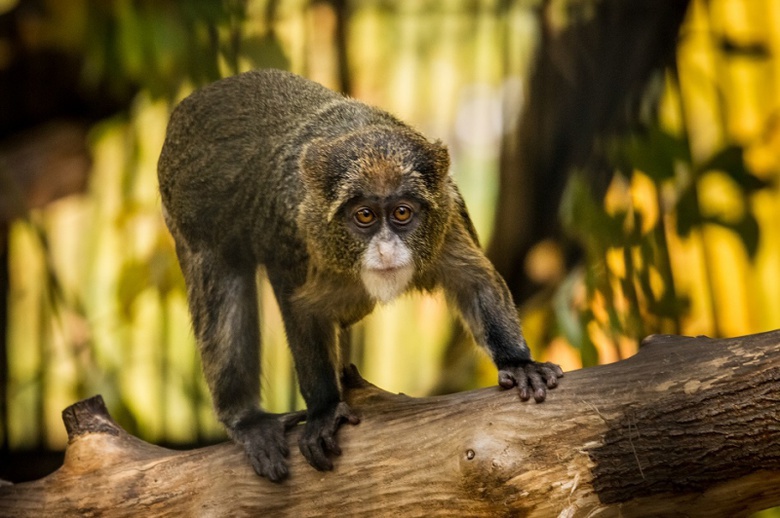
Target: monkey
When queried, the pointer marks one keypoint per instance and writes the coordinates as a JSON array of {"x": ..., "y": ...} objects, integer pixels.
[{"x": 345, "y": 207}]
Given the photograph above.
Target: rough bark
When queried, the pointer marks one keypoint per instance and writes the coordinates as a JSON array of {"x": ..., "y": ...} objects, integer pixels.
[{"x": 687, "y": 427}]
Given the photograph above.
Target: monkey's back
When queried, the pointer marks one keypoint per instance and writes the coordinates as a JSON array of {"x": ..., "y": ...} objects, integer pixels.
[{"x": 229, "y": 165}]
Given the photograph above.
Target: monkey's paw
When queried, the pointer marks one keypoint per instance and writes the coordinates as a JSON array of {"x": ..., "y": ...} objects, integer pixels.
[
  {"x": 319, "y": 436},
  {"x": 530, "y": 377},
  {"x": 262, "y": 435}
]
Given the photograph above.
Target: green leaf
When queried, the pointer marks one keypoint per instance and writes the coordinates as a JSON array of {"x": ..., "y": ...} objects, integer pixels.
[
  {"x": 655, "y": 152},
  {"x": 688, "y": 213},
  {"x": 589, "y": 354},
  {"x": 730, "y": 160},
  {"x": 586, "y": 220},
  {"x": 565, "y": 316},
  {"x": 750, "y": 233}
]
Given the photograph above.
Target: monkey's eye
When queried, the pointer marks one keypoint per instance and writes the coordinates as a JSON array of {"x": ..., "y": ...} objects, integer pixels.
[
  {"x": 402, "y": 214},
  {"x": 364, "y": 217}
]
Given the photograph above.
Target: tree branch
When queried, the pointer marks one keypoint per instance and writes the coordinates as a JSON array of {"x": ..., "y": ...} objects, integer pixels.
[{"x": 689, "y": 426}]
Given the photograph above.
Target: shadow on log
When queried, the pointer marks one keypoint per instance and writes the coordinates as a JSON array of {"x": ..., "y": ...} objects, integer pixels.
[{"x": 689, "y": 426}]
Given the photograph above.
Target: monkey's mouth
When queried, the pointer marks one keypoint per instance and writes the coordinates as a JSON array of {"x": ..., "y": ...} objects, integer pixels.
[
  {"x": 385, "y": 284},
  {"x": 387, "y": 270}
]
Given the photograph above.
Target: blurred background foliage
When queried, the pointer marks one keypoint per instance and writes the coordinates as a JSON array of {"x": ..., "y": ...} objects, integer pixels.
[{"x": 619, "y": 163}]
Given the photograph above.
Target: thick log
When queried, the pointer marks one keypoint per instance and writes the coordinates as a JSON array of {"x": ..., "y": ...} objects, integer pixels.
[{"x": 687, "y": 427}]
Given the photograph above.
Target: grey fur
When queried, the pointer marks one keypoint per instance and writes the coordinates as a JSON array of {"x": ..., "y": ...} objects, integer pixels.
[{"x": 264, "y": 168}]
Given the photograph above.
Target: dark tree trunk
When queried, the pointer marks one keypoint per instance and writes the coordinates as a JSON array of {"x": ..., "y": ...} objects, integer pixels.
[
  {"x": 587, "y": 83},
  {"x": 4, "y": 380}
]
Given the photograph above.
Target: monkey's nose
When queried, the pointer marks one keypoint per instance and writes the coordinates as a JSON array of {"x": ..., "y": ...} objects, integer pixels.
[{"x": 384, "y": 249}]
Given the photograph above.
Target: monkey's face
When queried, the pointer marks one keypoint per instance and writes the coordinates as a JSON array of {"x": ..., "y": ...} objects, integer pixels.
[
  {"x": 377, "y": 205},
  {"x": 384, "y": 224}
]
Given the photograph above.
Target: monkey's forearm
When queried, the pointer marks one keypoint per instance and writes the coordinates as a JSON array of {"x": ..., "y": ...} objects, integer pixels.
[
  {"x": 312, "y": 344},
  {"x": 480, "y": 294},
  {"x": 312, "y": 338},
  {"x": 494, "y": 323},
  {"x": 486, "y": 307}
]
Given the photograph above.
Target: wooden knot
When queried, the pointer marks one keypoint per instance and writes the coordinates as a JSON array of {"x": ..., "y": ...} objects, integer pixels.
[{"x": 89, "y": 416}]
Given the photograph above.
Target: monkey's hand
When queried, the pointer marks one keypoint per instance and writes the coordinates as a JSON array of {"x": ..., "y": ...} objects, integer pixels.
[
  {"x": 319, "y": 436},
  {"x": 262, "y": 435},
  {"x": 530, "y": 377}
]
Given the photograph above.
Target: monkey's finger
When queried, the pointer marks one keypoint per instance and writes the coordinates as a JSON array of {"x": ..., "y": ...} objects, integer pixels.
[
  {"x": 330, "y": 444},
  {"x": 553, "y": 368},
  {"x": 265, "y": 467},
  {"x": 550, "y": 374},
  {"x": 277, "y": 463},
  {"x": 521, "y": 378},
  {"x": 258, "y": 465},
  {"x": 314, "y": 454},
  {"x": 276, "y": 471},
  {"x": 291, "y": 419},
  {"x": 344, "y": 413},
  {"x": 537, "y": 383},
  {"x": 320, "y": 460},
  {"x": 506, "y": 379}
]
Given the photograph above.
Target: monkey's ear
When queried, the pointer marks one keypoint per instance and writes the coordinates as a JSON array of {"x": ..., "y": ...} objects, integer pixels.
[
  {"x": 316, "y": 167},
  {"x": 322, "y": 170},
  {"x": 440, "y": 159}
]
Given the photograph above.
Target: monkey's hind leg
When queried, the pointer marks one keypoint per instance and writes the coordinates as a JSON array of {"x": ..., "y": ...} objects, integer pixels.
[{"x": 223, "y": 302}]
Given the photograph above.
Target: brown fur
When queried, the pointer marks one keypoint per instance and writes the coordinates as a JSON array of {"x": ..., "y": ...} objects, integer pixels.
[{"x": 264, "y": 168}]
